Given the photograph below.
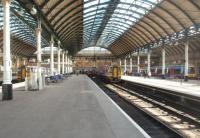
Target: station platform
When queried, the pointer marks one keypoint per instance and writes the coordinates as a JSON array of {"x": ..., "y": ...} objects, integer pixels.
[
  {"x": 74, "y": 108},
  {"x": 192, "y": 87}
]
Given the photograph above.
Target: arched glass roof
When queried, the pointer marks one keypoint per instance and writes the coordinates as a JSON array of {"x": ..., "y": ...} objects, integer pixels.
[
  {"x": 92, "y": 51},
  {"x": 106, "y": 20},
  {"x": 22, "y": 27},
  {"x": 121, "y": 26}
]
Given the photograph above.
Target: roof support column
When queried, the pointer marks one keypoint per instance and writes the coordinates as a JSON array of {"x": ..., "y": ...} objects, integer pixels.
[
  {"x": 131, "y": 64},
  {"x": 149, "y": 63},
  {"x": 7, "y": 91},
  {"x": 125, "y": 66},
  {"x": 58, "y": 57},
  {"x": 163, "y": 63},
  {"x": 186, "y": 60},
  {"x": 18, "y": 62},
  {"x": 52, "y": 57},
  {"x": 138, "y": 63},
  {"x": 70, "y": 64},
  {"x": 39, "y": 55},
  {"x": 120, "y": 62},
  {"x": 24, "y": 61},
  {"x": 66, "y": 62},
  {"x": 63, "y": 62}
]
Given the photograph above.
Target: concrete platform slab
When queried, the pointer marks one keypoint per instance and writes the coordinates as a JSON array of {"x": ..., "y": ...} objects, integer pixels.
[
  {"x": 191, "y": 88},
  {"x": 76, "y": 108}
]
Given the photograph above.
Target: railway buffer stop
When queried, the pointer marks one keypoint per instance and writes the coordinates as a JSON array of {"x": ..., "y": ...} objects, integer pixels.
[{"x": 125, "y": 47}]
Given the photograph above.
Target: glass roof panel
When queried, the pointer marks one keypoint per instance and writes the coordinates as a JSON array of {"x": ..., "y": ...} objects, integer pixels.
[
  {"x": 91, "y": 51},
  {"x": 22, "y": 25},
  {"x": 109, "y": 19}
]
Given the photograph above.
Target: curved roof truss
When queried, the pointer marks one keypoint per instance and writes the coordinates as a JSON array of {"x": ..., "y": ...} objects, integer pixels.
[{"x": 119, "y": 25}]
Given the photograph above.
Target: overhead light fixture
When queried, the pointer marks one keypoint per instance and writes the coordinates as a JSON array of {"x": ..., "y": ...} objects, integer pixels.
[{"x": 33, "y": 10}]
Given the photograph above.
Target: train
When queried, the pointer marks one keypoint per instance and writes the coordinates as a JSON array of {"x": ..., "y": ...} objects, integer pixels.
[
  {"x": 21, "y": 73},
  {"x": 18, "y": 75},
  {"x": 114, "y": 73},
  {"x": 172, "y": 71},
  {"x": 107, "y": 74}
]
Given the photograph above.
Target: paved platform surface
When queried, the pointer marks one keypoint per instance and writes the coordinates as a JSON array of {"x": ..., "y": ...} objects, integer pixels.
[
  {"x": 192, "y": 87},
  {"x": 75, "y": 108}
]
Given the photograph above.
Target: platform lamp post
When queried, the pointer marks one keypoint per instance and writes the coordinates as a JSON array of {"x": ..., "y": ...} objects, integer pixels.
[
  {"x": 7, "y": 90},
  {"x": 58, "y": 57}
]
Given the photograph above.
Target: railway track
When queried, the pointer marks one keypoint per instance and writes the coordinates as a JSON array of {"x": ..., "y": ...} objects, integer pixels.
[
  {"x": 176, "y": 120},
  {"x": 154, "y": 127}
]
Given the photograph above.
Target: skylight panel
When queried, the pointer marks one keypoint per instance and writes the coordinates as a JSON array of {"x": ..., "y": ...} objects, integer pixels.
[
  {"x": 92, "y": 3},
  {"x": 114, "y": 22}
]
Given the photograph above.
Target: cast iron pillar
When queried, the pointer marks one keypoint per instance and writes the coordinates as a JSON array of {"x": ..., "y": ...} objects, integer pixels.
[
  {"x": 138, "y": 63},
  {"x": 163, "y": 63},
  {"x": 63, "y": 62},
  {"x": 125, "y": 65},
  {"x": 186, "y": 61},
  {"x": 7, "y": 91},
  {"x": 149, "y": 63},
  {"x": 52, "y": 56},
  {"x": 58, "y": 57},
  {"x": 131, "y": 64},
  {"x": 39, "y": 55}
]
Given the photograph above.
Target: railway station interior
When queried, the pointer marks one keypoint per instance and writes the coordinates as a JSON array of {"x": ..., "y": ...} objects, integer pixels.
[{"x": 99, "y": 68}]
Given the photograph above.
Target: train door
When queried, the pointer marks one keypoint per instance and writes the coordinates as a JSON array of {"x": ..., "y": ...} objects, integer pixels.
[
  {"x": 23, "y": 73},
  {"x": 115, "y": 72}
]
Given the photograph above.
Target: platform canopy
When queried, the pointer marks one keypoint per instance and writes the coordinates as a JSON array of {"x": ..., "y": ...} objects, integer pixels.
[{"x": 121, "y": 26}]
